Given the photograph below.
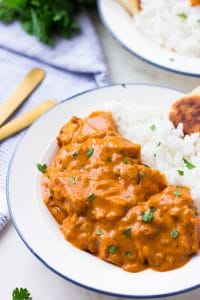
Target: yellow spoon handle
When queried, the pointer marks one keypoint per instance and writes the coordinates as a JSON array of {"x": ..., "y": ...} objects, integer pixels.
[
  {"x": 19, "y": 95},
  {"x": 25, "y": 120}
]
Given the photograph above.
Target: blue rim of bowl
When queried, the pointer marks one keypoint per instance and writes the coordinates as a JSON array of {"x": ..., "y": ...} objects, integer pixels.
[
  {"x": 40, "y": 258},
  {"x": 116, "y": 38}
]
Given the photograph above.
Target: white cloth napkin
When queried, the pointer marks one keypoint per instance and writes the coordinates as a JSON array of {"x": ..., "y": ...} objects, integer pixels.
[{"x": 72, "y": 66}]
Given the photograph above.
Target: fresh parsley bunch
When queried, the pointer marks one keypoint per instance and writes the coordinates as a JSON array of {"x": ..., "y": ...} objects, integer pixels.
[{"x": 44, "y": 18}]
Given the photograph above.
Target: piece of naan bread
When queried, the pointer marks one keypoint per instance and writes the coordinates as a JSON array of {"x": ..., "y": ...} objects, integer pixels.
[
  {"x": 133, "y": 6},
  {"x": 187, "y": 111}
]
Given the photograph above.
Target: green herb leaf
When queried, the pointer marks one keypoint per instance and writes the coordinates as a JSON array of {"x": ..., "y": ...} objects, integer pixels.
[
  {"x": 146, "y": 166},
  {"x": 109, "y": 158},
  {"x": 127, "y": 232},
  {"x": 158, "y": 145},
  {"x": 67, "y": 150},
  {"x": 99, "y": 232},
  {"x": 91, "y": 197},
  {"x": 152, "y": 209},
  {"x": 140, "y": 176},
  {"x": 182, "y": 15},
  {"x": 126, "y": 161},
  {"x": 75, "y": 153},
  {"x": 112, "y": 249},
  {"x": 72, "y": 179},
  {"x": 147, "y": 216},
  {"x": 15, "y": 3},
  {"x": 153, "y": 127},
  {"x": 188, "y": 164},
  {"x": 42, "y": 168},
  {"x": 21, "y": 294},
  {"x": 90, "y": 152},
  {"x": 180, "y": 172},
  {"x": 128, "y": 253},
  {"x": 174, "y": 233},
  {"x": 177, "y": 194}
]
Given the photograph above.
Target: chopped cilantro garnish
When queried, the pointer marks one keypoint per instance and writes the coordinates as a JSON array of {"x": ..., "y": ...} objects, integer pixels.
[
  {"x": 158, "y": 145},
  {"x": 180, "y": 172},
  {"x": 174, "y": 233},
  {"x": 127, "y": 232},
  {"x": 182, "y": 15},
  {"x": 75, "y": 153},
  {"x": 152, "y": 209},
  {"x": 21, "y": 294},
  {"x": 99, "y": 232},
  {"x": 72, "y": 179},
  {"x": 126, "y": 161},
  {"x": 146, "y": 166},
  {"x": 140, "y": 176},
  {"x": 147, "y": 216},
  {"x": 177, "y": 194},
  {"x": 42, "y": 168},
  {"x": 109, "y": 158},
  {"x": 128, "y": 253},
  {"x": 112, "y": 249},
  {"x": 91, "y": 197},
  {"x": 188, "y": 164},
  {"x": 153, "y": 127},
  {"x": 90, "y": 152}
]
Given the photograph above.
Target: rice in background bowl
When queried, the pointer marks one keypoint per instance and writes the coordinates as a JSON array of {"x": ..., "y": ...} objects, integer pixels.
[{"x": 174, "y": 25}]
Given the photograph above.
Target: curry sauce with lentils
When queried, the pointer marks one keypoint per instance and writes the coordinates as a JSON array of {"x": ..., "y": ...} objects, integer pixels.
[{"x": 109, "y": 204}]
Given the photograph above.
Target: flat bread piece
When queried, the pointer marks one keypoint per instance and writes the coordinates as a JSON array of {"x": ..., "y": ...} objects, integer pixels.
[
  {"x": 187, "y": 111},
  {"x": 194, "y": 2},
  {"x": 133, "y": 6}
]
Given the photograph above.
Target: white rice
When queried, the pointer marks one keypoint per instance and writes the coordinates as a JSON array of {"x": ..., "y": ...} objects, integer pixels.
[
  {"x": 162, "y": 148},
  {"x": 173, "y": 24}
]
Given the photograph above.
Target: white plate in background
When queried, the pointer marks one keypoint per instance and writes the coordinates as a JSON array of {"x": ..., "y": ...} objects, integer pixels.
[{"x": 119, "y": 23}]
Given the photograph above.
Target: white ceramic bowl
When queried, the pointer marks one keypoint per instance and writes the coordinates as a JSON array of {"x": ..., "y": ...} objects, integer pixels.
[
  {"x": 119, "y": 23},
  {"x": 41, "y": 233}
]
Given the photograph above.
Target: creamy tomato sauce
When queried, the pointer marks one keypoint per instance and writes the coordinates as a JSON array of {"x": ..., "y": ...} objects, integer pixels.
[{"x": 109, "y": 204}]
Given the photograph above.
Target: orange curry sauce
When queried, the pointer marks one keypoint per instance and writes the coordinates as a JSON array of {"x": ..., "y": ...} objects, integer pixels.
[{"x": 108, "y": 203}]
